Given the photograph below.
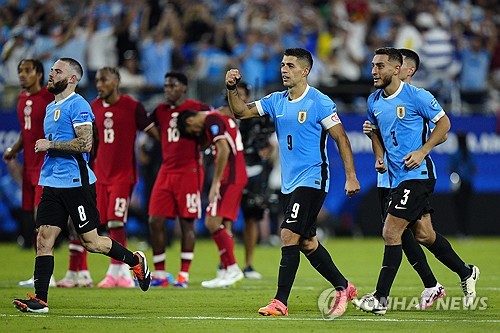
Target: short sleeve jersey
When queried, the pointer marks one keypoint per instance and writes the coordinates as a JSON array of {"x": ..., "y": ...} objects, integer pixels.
[
  {"x": 403, "y": 120},
  {"x": 219, "y": 127},
  {"x": 62, "y": 169},
  {"x": 31, "y": 112},
  {"x": 301, "y": 128},
  {"x": 178, "y": 153},
  {"x": 383, "y": 178},
  {"x": 117, "y": 127}
]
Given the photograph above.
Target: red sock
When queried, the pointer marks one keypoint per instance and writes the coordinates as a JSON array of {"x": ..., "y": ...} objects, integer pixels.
[
  {"x": 159, "y": 260},
  {"x": 118, "y": 234},
  {"x": 186, "y": 258},
  {"x": 225, "y": 244},
  {"x": 75, "y": 255},
  {"x": 83, "y": 261}
]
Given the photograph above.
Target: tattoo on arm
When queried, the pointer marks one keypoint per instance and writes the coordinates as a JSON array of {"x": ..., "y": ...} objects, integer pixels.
[{"x": 81, "y": 144}]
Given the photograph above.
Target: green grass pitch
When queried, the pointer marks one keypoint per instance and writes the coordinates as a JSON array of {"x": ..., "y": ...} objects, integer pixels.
[{"x": 235, "y": 310}]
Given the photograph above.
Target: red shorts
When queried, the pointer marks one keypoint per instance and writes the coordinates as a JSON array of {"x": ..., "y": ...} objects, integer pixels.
[
  {"x": 228, "y": 205},
  {"x": 32, "y": 192},
  {"x": 177, "y": 194},
  {"x": 113, "y": 201}
]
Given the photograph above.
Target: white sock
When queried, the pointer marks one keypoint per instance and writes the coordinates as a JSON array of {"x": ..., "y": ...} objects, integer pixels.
[{"x": 114, "y": 270}]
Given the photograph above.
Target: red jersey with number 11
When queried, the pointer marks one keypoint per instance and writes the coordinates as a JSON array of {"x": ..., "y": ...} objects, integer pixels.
[{"x": 31, "y": 113}]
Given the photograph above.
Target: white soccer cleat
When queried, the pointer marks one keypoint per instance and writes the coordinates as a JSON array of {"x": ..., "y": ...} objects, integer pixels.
[
  {"x": 84, "y": 279},
  {"x": 214, "y": 283},
  {"x": 233, "y": 275},
  {"x": 469, "y": 287},
  {"x": 429, "y": 296},
  {"x": 70, "y": 280},
  {"x": 369, "y": 303},
  {"x": 251, "y": 273}
]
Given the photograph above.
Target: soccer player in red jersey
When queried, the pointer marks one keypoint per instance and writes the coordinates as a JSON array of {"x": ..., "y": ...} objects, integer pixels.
[
  {"x": 229, "y": 180},
  {"x": 118, "y": 117},
  {"x": 31, "y": 104},
  {"x": 176, "y": 192}
]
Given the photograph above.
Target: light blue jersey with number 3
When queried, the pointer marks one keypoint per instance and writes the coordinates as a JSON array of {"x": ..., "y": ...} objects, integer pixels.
[
  {"x": 403, "y": 120},
  {"x": 301, "y": 128}
]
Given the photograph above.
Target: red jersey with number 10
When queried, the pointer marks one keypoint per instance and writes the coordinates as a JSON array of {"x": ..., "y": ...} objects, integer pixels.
[
  {"x": 179, "y": 153},
  {"x": 31, "y": 113},
  {"x": 219, "y": 127},
  {"x": 117, "y": 127}
]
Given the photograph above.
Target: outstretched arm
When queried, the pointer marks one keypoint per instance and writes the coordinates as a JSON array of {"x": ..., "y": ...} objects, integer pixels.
[{"x": 338, "y": 134}]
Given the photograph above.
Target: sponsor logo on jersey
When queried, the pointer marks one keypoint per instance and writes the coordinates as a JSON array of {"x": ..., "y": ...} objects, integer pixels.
[
  {"x": 400, "y": 111},
  {"x": 84, "y": 115},
  {"x": 214, "y": 129},
  {"x": 435, "y": 104},
  {"x": 302, "y": 117}
]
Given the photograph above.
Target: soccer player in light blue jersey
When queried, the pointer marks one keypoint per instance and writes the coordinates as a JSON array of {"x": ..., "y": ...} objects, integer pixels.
[
  {"x": 433, "y": 290},
  {"x": 69, "y": 185},
  {"x": 400, "y": 114},
  {"x": 303, "y": 117}
]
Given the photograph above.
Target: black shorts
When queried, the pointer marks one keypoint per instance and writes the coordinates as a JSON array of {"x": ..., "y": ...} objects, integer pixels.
[
  {"x": 383, "y": 198},
  {"x": 301, "y": 209},
  {"x": 77, "y": 202},
  {"x": 253, "y": 201},
  {"x": 410, "y": 200}
]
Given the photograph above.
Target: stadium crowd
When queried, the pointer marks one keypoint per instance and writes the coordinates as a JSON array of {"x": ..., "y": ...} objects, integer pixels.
[{"x": 457, "y": 41}]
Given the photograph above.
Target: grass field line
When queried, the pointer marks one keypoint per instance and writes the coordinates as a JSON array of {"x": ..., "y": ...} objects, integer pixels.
[{"x": 374, "y": 319}]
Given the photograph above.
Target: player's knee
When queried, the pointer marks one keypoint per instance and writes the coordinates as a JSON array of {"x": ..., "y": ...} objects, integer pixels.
[
  {"x": 156, "y": 222},
  {"x": 91, "y": 242},
  {"x": 308, "y": 246},
  {"x": 425, "y": 238},
  {"x": 288, "y": 237},
  {"x": 391, "y": 236}
]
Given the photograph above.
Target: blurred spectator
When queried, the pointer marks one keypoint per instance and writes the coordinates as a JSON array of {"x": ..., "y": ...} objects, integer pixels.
[
  {"x": 462, "y": 169},
  {"x": 17, "y": 48},
  {"x": 475, "y": 58},
  {"x": 439, "y": 66},
  {"x": 157, "y": 47},
  {"x": 252, "y": 56},
  {"x": 132, "y": 81},
  {"x": 407, "y": 35}
]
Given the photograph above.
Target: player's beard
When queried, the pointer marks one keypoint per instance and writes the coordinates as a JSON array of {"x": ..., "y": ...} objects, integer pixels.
[
  {"x": 58, "y": 87},
  {"x": 385, "y": 82}
]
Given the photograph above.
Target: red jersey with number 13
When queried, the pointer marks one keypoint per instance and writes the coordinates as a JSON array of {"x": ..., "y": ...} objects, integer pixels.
[
  {"x": 117, "y": 127},
  {"x": 179, "y": 153}
]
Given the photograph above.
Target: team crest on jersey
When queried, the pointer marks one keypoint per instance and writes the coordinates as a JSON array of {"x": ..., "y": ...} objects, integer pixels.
[
  {"x": 400, "y": 111},
  {"x": 57, "y": 114},
  {"x": 302, "y": 117}
]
